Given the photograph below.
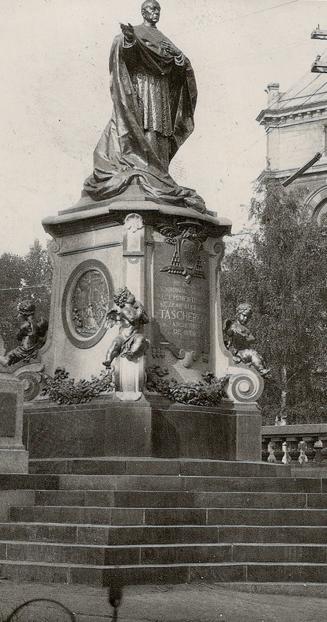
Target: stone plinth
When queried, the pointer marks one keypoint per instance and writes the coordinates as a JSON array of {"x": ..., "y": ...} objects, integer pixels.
[
  {"x": 169, "y": 258},
  {"x": 223, "y": 433},
  {"x": 13, "y": 456},
  {"x": 150, "y": 427}
]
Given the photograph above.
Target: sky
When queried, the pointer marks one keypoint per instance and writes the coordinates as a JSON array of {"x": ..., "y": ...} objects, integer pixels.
[{"x": 55, "y": 98}]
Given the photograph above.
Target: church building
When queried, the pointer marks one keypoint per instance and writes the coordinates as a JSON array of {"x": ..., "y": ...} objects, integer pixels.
[{"x": 296, "y": 127}]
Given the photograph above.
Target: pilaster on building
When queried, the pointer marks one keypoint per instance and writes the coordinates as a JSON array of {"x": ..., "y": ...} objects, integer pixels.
[{"x": 296, "y": 128}]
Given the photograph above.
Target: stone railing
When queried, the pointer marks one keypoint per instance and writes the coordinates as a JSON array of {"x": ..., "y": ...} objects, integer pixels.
[{"x": 295, "y": 444}]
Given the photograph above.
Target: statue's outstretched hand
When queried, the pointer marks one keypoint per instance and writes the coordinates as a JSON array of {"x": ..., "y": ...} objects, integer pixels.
[{"x": 128, "y": 32}]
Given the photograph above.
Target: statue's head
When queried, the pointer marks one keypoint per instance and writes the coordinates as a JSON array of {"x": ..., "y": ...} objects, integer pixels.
[
  {"x": 150, "y": 10},
  {"x": 26, "y": 308},
  {"x": 123, "y": 296},
  {"x": 244, "y": 312}
]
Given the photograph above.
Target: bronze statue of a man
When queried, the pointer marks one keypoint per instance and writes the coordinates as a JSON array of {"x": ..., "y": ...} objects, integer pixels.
[{"x": 154, "y": 96}]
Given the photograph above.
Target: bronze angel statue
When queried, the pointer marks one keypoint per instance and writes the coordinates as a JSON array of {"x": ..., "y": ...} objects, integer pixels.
[
  {"x": 131, "y": 316},
  {"x": 31, "y": 335},
  {"x": 239, "y": 340}
]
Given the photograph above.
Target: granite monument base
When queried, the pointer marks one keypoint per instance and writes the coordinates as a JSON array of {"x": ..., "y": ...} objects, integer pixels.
[
  {"x": 169, "y": 259},
  {"x": 147, "y": 428},
  {"x": 13, "y": 460},
  {"x": 13, "y": 455},
  {"x": 227, "y": 432}
]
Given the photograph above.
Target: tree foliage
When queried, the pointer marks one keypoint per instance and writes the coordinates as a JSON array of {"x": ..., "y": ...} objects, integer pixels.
[{"x": 281, "y": 274}]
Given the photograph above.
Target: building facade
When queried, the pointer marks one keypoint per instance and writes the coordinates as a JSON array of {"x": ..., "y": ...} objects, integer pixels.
[{"x": 296, "y": 130}]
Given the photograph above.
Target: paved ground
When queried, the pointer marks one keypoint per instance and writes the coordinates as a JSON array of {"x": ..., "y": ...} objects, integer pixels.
[{"x": 195, "y": 603}]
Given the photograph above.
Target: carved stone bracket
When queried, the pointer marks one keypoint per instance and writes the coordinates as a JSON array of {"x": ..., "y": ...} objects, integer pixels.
[
  {"x": 54, "y": 246},
  {"x": 32, "y": 381},
  {"x": 30, "y": 374},
  {"x": 133, "y": 240},
  {"x": 219, "y": 250}
]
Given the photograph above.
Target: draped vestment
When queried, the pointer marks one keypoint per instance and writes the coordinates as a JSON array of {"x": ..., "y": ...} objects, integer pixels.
[{"x": 154, "y": 98}]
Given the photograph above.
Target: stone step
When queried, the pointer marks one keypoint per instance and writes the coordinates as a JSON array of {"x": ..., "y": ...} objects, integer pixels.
[
  {"x": 168, "y": 516},
  {"x": 151, "y": 466},
  {"x": 28, "y": 482},
  {"x": 295, "y": 534},
  {"x": 73, "y": 533},
  {"x": 117, "y": 555},
  {"x": 280, "y": 553},
  {"x": 191, "y": 483},
  {"x": 158, "y": 573},
  {"x": 109, "y": 516},
  {"x": 132, "y": 498},
  {"x": 173, "y": 521},
  {"x": 162, "y": 482},
  {"x": 161, "y": 554}
]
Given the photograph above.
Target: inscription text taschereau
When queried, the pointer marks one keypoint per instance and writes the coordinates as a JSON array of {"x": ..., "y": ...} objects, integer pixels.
[
  {"x": 178, "y": 308},
  {"x": 181, "y": 309}
]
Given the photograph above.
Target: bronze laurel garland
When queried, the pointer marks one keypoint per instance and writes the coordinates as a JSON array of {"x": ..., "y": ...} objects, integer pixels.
[
  {"x": 208, "y": 392},
  {"x": 65, "y": 390}
]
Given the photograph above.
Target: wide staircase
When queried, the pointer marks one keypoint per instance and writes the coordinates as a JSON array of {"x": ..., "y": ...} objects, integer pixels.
[{"x": 164, "y": 521}]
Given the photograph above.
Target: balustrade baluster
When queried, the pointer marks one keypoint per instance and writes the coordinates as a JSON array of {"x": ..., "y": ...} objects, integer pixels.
[
  {"x": 296, "y": 444},
  {"x": 271, "y": 452},
  {"x": 318, "y": 445},
  {"x": 286, "y": 459},
  {"x": 302, "y": 447}
]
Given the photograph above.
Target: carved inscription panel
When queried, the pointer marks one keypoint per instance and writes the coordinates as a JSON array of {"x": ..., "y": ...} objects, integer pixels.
[{"x": 181, "y": 309}]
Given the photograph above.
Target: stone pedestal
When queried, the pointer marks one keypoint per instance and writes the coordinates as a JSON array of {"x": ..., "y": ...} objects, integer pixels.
[
  {"x": 13, "y": 456},
  {"x": 169, "y": 258},
  {"x": 149, "y": 427}
]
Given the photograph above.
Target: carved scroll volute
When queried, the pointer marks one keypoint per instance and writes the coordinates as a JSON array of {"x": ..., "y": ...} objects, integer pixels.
[{"x": 245, "y": 385}]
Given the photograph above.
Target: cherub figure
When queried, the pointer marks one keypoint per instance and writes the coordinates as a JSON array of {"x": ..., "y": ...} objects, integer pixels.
[
  {"x": 31, "y": 335},
  {"x": 131, "y": 317},
  {"x": 239, "y": 340}
]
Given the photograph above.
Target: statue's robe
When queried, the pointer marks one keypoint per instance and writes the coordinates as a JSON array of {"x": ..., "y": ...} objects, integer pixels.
[{"x": 154, "y": 98}]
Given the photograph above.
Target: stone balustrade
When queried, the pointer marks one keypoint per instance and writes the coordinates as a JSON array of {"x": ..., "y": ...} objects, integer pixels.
[{"x": 295, "y": 444}]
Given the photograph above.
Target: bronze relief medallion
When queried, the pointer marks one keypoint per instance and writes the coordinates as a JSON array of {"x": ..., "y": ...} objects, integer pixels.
[{"x": 86, "y": 301}]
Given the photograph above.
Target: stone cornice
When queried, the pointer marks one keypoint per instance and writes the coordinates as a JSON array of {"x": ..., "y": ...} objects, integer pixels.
[{"x": 301, "y": 112}]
